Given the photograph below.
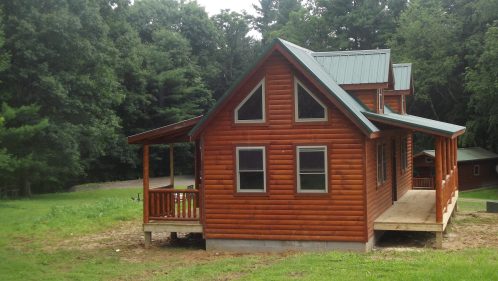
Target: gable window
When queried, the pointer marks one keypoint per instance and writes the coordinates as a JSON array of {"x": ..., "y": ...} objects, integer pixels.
[
  {"x": 312, "y": 169},
  {"x": 477, "y": 170},
  {"x": 307, "y": 106},
  {"x": 381, "y": 163},
  {"x": 251, "y": 169},
  {"x": 252, "y": 108},
  {"x": 404, "y": 154}
]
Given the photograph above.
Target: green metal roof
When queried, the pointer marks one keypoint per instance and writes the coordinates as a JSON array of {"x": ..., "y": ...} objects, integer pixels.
[
  {"x": 356, "y": 67},
  {"x": 468, "y": 154},
  {"x": 417, "y": 123},
  {"x": 402, "y": 76},
  {"x": 306, "y": 59},
  {"x": 374, "y": 68}
]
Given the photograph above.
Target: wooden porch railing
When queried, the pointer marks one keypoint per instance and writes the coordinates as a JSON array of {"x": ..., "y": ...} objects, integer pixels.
[
  {"x": 173, "y": 204},
  {"x": 423, "y": 183},
  {"x": 446, "y": 174}
]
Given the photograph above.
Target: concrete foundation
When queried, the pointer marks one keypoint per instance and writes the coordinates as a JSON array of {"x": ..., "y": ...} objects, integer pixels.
[{"x": 239, "y": 245}]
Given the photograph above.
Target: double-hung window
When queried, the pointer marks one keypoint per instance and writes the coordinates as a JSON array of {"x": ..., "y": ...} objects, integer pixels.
[
  {"x": 381, "y": 163},
  {"x": 251, "y": 169},
  {"x": 312, "y": 169}
]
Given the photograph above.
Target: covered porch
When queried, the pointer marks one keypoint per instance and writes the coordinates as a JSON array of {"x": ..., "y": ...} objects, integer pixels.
[
  {"x": 425, "y": 210},
  {"x": 169, "y": 208}
]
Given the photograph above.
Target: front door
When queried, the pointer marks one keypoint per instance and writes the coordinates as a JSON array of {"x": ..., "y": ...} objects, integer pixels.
[{"x": 393, "y": 172}]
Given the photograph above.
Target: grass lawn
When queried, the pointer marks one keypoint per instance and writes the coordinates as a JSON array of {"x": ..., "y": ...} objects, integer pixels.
[
  {"x": 484, "y": 193},
  {"x": 47, "y": 238}
]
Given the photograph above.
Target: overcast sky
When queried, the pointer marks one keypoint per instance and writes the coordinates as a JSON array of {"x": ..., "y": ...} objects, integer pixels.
[{"x": 215, "y": 6}]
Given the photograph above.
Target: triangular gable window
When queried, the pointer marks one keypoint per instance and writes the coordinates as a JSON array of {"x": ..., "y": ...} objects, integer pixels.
[
  {"x": 251, "y": 109},
  {"x": 308, "y": 107}
]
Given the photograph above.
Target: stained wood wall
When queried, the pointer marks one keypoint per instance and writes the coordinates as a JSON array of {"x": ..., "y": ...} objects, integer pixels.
[
  {"x": 379, "y": 197},
  {"x": 394, "y": 102},
  {"x": 281, "y": 214}
]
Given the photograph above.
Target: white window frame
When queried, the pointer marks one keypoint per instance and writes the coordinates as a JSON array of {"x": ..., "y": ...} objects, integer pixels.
[
  {"x": 239, "y": 148},
  {"x": 263, "y": 104},
  {"x": 296, "y": 104},
  {"x": 298, "y": 169},
  {"x": 478, "y": 170}
]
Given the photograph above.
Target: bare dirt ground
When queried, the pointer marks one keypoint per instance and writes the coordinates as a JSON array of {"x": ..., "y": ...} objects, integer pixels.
[
  {"x": 466, "y": 230},
  {"x": 154, "y": 182}
]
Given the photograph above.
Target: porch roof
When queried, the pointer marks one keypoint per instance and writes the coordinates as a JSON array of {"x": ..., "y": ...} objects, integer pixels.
[
  {"x": 466, "y": 154},
  {"x": 416, "y": 123},
  {"x": 173, "y": 133}
]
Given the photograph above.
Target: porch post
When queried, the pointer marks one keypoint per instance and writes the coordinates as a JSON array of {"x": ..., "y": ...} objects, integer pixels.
[
  {"x": 146, "y": 181},
  {"x": 443, "y": 157},
  {"x": 439, "y": 179},
  {"x": 455, "y": 151},
  {"x": 171, "y": 166},
  {"x": 197, "y": 165},
  {"x": 147, "y": 234}
]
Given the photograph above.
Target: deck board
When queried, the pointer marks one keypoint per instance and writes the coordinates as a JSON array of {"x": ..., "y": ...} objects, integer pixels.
[{"x": 415, "y": 211}]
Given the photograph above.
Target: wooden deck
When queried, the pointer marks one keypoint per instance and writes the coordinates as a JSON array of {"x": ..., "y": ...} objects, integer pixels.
[{"x": 415, "y": 211}]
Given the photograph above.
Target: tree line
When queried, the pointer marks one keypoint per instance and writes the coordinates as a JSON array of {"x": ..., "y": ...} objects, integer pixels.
[{"x": 78, "y": 76}]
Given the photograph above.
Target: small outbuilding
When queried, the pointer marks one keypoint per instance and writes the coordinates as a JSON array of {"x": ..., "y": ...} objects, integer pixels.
[{"x": 477, "y": 167}]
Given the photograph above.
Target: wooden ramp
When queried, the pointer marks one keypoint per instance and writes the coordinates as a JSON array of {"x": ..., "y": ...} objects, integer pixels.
[{"x": 415, "y": 211}]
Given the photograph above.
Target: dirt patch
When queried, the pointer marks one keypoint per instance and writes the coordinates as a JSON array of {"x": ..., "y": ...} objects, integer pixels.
[
  {"x": 472, "y": 230},
  {"x": 467, "y": 230},
  {"x": 154, "y": 182}
]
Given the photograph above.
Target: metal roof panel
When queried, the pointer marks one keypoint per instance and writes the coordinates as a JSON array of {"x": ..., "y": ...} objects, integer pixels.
[
  {"x": 468, "y": 154},
  {"x": 356, "y": 67}
]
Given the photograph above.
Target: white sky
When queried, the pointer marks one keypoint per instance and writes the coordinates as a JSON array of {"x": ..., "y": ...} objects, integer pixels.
[{"x": 215, "y": 6}]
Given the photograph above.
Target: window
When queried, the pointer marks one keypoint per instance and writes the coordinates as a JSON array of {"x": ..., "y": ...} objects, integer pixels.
[
  {"x": 381, "y": 163},
  {"x": 477, "y": 170},
  {"x": 403, "y": 104},
  {"x": 429, "y": 160},
  {"x": 251, "y": 169},
  {"x": 312, "y": 169},
  {"x": 307, "y": 106},
  {"x": 380, "y": 101},
  {"x": 404, "y": 154},
  {"x": 252, "y": 108}
]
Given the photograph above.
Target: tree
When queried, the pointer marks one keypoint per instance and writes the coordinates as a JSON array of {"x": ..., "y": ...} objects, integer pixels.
[
  {"x": 236, "y": 50},
  {"x": 483, "y": 107},
  {"x": 62, "y": 63}
]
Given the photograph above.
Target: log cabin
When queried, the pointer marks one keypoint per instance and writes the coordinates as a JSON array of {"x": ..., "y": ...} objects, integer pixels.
[
  {"x": 477, "y": 168},
  {"x": 306, "y": 151}
]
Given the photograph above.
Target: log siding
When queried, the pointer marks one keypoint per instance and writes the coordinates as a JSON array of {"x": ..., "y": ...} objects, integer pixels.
[{"x": 281, "y": 214}]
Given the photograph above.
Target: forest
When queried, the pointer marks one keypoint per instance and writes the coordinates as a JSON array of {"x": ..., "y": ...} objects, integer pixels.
[{"x": 78, "y": 76}]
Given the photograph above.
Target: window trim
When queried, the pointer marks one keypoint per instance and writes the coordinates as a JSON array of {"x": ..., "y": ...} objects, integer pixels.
[
  {"x": 298, "y": 174},
  {"x": 296, "y": 104},
  {"x": 478, "y": 170},
  {"x": 403, "y": 101},
  {"x": 380, "y": 101},
  {"x": 382, "y": 176},
  {"x": 404, "y": 156},
  {"x": 263, "y": 105},
  {"x": 237, "y": 172}
]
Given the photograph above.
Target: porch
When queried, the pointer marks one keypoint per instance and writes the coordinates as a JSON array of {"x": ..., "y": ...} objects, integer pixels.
[
  {"x": 432, "y": 201},
  {"x": 169, "y": 208},
  {"x": 415, "y": 211}
]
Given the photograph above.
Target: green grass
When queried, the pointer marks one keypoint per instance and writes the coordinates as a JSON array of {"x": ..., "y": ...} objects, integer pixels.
[
  {"x": 31, "y": 232},
  {"x": 485, "y": 193}
]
